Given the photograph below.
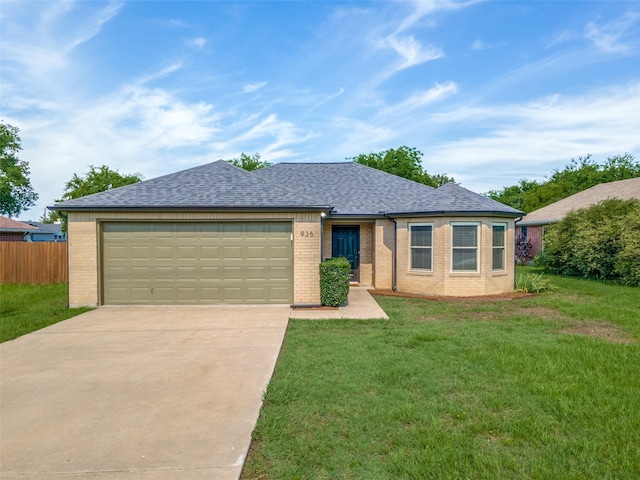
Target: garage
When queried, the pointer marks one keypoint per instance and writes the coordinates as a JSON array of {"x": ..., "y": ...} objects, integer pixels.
[{"x": 196, "y": 262}]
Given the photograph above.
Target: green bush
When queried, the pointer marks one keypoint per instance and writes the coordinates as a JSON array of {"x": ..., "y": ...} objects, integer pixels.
[
  {"x": 628, "y": 265},
  {"x": 334, "y": 281},
  {"x": 599, "y": 242}
]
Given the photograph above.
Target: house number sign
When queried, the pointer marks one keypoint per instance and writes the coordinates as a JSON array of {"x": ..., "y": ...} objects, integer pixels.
[{"x": 306, "y": 233}]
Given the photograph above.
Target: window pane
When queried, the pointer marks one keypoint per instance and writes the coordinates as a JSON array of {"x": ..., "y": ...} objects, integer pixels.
[
  {"x": 421, "y": 235},
  {"x": 421, "y": 258},
  {"x": 498, "y": 235},
  {"x": 465, "y": 236},
  {"x": 464, "y": 259},
  {"x": 498, "y": 258}
]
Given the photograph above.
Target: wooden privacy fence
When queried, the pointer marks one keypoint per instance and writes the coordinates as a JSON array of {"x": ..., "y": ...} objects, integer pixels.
[{"x": 33, "y": 262}]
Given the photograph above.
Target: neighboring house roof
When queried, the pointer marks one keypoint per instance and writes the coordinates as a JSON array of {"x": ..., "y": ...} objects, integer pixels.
[
  {"x": 347, "y": 187},
  {"x": 8, "y": 225},
  {"x": 622, "y": 189},
  {"x": 46, "y": 228}
]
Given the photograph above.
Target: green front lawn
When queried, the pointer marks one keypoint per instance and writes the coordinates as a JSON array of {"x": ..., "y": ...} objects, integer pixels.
[
  {"x": 25, "y": 308},
  {"x": 545, "y": 387}
]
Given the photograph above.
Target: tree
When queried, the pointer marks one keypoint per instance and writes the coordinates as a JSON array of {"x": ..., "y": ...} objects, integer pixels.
[
  {"x": 575, "y": 177},
  {"x": 16, "y": 192},
  {"x": 97, "y": 179},
  {"x": 249, "y": 162},
  {"x": 514, "y": 195},
  {"x": 404, "y": 162}
]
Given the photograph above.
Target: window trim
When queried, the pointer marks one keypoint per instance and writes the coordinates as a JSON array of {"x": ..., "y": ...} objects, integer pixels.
[
  {"x": 503, "y": 247},
  {"x": 411, "y": 247},
  {"x": 478, "y": 226}
]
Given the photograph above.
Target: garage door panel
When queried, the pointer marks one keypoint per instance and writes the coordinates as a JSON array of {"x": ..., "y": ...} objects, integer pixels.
[
  {"x": 186, "y": 252},
  {"x": 165, "y": 263},
  {"x": 161, "y": 273},
  {"x": 232, "y": 252},
  {"x": 257, "y": 273},
  {"x": 279, "y": 294},
  {"x": 256, "y": 294},
  {"x": 161, "y": 252},
  {"x": 233, "y": 294},
  {"x": 234, "y": 273},
  {"x": 279, "y": 273},
  {"x": 139, "y": 294},
  {"x": 187, "y": 294},
  {"x": 140, "y": 273},
  {"x": 256, "y": 252},
  {"x": 210, "y": 273},
  {"x": 278, "y": 252}
]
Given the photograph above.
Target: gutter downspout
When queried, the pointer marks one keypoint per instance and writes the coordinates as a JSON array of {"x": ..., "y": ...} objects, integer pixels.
[{"x": 394, "y": 263}]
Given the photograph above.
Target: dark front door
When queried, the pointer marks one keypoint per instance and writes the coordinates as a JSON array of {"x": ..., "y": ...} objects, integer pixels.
[{"x": 346, "y": 243}]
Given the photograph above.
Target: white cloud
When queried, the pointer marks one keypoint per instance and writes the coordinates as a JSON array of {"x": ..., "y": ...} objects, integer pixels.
[
  {"x": 610, "y": 37},
  {"x": 533, "y": 138},
  {"x": 482, "y": 45},
  {"x": 418, "y": 100},
  {"x": 412, "y": 51},
  {"x": 253, "y": 87},
  {"x": 198, "y": 43}
]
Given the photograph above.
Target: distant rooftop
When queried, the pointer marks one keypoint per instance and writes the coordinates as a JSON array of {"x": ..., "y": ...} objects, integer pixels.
[{"x": 622, "y": 190}]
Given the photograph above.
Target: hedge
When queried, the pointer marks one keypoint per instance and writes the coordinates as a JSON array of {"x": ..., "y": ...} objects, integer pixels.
[{"x": 334, "y": 281}]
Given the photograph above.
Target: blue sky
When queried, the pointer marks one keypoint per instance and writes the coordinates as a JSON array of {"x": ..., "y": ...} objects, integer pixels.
[{"x": 490, "y": 92}]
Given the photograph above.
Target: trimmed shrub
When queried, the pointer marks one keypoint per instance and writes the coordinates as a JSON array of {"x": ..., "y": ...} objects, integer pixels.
[{"x": 334, "y": 281}]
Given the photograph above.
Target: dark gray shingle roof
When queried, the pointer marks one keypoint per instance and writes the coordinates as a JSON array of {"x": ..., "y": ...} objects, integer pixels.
[
  {"x": 214, "y": 185},
  {"x": 351, "y": 188},
  {"x": 452, "y": 198},
  {"x": 348, "y": 187}
]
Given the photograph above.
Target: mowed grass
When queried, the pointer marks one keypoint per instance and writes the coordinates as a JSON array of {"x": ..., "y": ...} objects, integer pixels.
[
  {"x": 25, "y": 308},
  {"x": 546, "y": 387}
]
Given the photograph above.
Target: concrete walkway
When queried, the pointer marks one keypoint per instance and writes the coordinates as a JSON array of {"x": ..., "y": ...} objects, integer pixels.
[
  {"x": 361, "y": 306},
  {"x": 137, "y": 393}
]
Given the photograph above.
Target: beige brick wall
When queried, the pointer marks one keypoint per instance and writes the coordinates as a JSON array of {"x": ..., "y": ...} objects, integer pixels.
[
  {"x": 366, "y": 246},
  {"x": 383, "y": 254},
  {"x": 441, "y": 280},
  {"x": 84, "y": 245}
]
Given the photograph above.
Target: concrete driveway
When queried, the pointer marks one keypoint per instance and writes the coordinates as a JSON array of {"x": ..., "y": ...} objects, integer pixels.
[{"x": 137, "y": 393}]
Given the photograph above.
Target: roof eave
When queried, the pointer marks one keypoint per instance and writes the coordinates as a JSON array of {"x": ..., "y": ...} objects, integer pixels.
[
  {"x": 533, "y": 223},
  {"x": 190, "y": 208},
  {"x": 457, "y": 213}
]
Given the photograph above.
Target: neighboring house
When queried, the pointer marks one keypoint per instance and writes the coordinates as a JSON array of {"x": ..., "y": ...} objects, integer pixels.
[
  {"x": 531, "y": 227},
  {"x": 219, "y": 234},
  {"x": 14, "y": 231},
  {"x": 47, "y": 232}
]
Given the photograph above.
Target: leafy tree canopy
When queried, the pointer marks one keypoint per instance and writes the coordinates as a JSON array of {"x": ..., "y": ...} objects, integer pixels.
[
  {"x": 96, "y": 180},
  {"x": 577, "y": 176},
  {"x": 16, "y": 192},
  {"x": 249, "y": 162},
  {"x": 404, "y": 162}
]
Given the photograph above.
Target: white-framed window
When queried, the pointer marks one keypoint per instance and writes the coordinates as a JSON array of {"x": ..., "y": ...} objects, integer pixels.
[
  {"x": 464, "y": 247},
  {"x": 421, "y": 246},
  {"x": 498, "y": 246}
]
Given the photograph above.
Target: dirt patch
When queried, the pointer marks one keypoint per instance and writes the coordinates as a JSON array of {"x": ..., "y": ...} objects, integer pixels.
[
  {"x": 467, "y": 313},
  {"x": 605, "y": 331},
  {"x": 501, "y": 296}
]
